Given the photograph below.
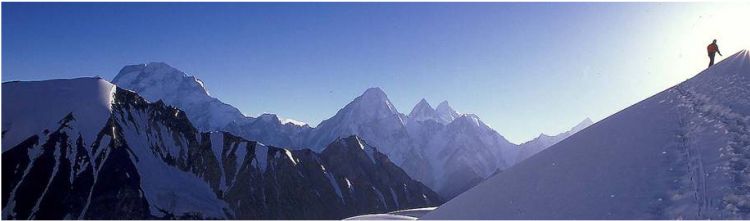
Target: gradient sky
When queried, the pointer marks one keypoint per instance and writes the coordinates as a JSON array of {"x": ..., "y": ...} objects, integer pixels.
[{"x": 524, "y": 68}]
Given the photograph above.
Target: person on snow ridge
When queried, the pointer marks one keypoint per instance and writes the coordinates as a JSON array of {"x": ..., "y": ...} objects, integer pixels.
[{"x": 712, "y": 50}]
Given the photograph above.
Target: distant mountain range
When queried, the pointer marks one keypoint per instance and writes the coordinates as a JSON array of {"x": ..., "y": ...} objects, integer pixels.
[{"x": 446, "y": 150}]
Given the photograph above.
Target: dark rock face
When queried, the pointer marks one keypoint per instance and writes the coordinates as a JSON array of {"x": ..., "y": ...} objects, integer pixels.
[
  {"x": 369, "y": 174},
  {"x": 148, "y": 161}
]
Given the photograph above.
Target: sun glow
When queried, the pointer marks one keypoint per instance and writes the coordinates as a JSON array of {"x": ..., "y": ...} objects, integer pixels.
[{"x": 689, "y": 28}]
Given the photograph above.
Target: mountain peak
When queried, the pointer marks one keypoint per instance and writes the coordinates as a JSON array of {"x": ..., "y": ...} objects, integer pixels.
[
  {"x": 158, "y": 76},
  {"x": 423, "y": 111},
  {"x": 446, "y": 112},
  {"x": 353, "y": 146},
  {"x": 159, "y": 81},
  {"x": 374, "y": 93},
  {"x": 373, "y": 102}
]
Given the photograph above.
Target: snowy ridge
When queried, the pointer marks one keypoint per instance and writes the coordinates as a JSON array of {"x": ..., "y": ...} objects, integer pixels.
[{"x": 679, "y": 154}]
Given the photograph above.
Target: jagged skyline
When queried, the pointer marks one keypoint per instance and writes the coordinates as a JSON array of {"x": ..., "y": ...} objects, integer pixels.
[{"x": 305, "y": 60}]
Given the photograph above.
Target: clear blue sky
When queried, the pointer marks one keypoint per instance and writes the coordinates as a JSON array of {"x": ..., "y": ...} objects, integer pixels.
[{"x": 524, "y": 68}]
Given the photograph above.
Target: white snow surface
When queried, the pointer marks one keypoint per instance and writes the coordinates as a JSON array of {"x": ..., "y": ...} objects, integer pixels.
[
  {"x": 285, "y": 120},
  {"x": 680, "y": 154},
  {"x": 381, "y": 217},
  {"x": 408, "y": 214},
  {"x": 40, "y": 105}
]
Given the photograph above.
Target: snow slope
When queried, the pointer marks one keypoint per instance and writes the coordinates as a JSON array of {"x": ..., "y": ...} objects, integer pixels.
[
  {"x": 680, "y": 154},
  {"x": 408, "y": 214}
]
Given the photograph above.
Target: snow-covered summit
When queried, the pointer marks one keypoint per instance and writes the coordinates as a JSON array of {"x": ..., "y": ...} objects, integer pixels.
[
  {"x": 373, "y": 103},
  {"x": 371, "y": 116},
  {"x": 159, "y": 81},
  {"x": 371, "y": 106},
  {"x": 680, "y": 154},
  {"x": 281, "y": 120}
]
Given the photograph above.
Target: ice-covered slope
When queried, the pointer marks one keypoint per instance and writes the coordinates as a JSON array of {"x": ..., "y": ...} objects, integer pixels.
[{"x": 682, "y": 153}]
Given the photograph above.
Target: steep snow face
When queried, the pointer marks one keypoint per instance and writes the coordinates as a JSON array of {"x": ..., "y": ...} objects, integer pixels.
[
  {"x": 34, "y": 106},
  {"x": 159, "y": 81},
  {"x": 543, "y": 141},
  {"x": 680, "y": 154}
]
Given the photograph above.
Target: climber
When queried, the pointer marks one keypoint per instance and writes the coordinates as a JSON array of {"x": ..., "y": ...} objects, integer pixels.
[{"x": 712, "y": 50}]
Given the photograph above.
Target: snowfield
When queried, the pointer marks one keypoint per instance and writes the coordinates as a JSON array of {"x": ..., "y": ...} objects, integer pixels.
[
  {"x": 408, "y": 214},
  {"x": 683, "y": 153}
]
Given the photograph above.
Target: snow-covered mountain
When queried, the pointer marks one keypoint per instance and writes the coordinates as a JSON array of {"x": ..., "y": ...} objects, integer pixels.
[
  {"x": 448, "y": 151},
  {"x": 465, "y": 152},
  {"x": 374, "y": 118},
  {"x": 680, "y": 154},
  {"x": 86, "y": 149},
  {"x": 159, "y": 81}
]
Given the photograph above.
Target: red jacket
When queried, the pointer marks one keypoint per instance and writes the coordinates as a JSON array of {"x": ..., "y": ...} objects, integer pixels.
[{"x": 712, "y": 48}]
